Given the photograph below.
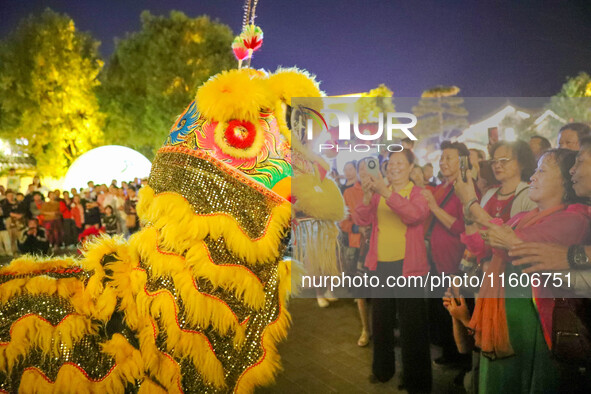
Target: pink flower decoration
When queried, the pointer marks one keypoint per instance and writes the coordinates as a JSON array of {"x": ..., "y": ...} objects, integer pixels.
[{"x": 240, "y": 51}]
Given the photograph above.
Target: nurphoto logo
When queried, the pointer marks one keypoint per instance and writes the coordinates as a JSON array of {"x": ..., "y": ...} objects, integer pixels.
[{"x": 390, "y": 119}]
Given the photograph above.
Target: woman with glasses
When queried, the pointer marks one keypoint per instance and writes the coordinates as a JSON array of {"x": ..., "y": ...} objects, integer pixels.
[
  {"x": 512, "y": 324},
  {"x": 513, "y": 164}
]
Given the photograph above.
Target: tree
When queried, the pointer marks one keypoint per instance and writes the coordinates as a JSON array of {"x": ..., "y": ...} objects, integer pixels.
[
  {"x": 440, "y": 110},
  {"x": 48, "y": 73},
  {"x": 154, "y": 74},
  {"x": 373, "y": 102},
  {"x": 573, "y": 102}
]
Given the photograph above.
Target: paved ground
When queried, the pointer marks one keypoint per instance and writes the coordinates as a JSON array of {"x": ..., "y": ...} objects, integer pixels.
[{"x": 321, "y": 354}]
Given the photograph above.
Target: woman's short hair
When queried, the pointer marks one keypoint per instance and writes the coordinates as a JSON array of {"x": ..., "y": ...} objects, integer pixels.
[
  {"x": 522, "y": 153},
  {"x": 458, "y": 146},
  {"x": 544, "y": 142},
  {"x": 581, "y": 129},
  {"x": 586, "y": 145},
  {"x": 565, "y": 158},
  {"x": 461, "y": 148}
]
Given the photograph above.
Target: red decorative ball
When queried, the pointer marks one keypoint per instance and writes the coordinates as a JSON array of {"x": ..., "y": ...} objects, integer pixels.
[{"x": 240, "y": 134}]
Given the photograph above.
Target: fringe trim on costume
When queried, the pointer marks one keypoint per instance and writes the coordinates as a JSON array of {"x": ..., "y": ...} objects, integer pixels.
[
  {"x": 72, "y": 379},
  {"x": 263, "y": 371},
  {"x": 92, "y": 300},
  {"x": 71, "y": 289},
  {"x": 181, "y": 228},
  {"x": 149, "y": 387},
  {"x": 182, "y": 343},
  {"x": 30, "y": 264},
  {"x": 238, "y": 279},
  {"x": 34, "y": 331},
  {"x": 202, "y": 309},
  {"x": 157, "y": 364},
  {"x": 315, "y": 245}
]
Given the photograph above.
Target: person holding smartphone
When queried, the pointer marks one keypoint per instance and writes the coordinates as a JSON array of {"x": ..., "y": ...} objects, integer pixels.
[
  {"x": 396, "y": 213},
  {"x": 443, "y": 230},
  {"x": 513, "y": 325}
]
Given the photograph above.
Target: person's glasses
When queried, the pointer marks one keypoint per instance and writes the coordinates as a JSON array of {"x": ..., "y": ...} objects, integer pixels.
[{"x": 502, "y": 161}]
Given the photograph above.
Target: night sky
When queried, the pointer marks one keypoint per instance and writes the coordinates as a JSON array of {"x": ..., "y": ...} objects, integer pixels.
[{"x": 502, "y": 48}]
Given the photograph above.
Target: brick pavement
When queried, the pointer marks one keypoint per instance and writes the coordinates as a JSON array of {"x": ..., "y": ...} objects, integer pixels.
[{"x": 321, "y": 354}]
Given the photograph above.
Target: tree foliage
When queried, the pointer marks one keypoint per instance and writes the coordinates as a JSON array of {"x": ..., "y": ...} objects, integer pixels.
[
  {"x": 154, "y": 74},
  {"x": 48, "y": 73},
  {"x": 440, "y": 110},
  {"x": 373, "y": 102},
  {"x": 571, "y": 104}
]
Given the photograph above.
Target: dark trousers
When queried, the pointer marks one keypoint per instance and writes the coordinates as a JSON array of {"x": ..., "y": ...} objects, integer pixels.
[
  {"x": 441, "y": 326},
  {"x": 414, "y": 333},
  {"x": 70, "y": 232},
  {"x": 33, "y": 246}
]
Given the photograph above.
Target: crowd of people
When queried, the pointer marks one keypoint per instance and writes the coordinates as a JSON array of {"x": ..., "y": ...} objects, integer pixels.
[
  {"x": 42, "y": 221},
  {"x": 521, "y": 207}
]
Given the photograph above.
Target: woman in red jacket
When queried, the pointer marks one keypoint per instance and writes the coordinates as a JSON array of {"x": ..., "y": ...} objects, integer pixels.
[{"x": 397, "y": 250}]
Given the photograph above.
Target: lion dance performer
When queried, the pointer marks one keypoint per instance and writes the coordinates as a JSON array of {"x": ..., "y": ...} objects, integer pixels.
[{"x": 196, "y": 301}]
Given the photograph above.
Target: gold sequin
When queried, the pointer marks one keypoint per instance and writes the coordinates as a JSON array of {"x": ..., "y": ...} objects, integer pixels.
[{"x": 211, "y": 190}]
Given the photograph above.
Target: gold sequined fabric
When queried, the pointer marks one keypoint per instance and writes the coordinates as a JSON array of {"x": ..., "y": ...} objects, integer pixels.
[
  {"x": 235, "y": 360},
  {"x": 53, "y": 309},
  {"x": 156, "y": 275},
  {"x": 212, "y": 188}
]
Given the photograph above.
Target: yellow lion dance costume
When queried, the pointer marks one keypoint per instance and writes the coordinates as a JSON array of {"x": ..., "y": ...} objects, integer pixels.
[{"x": 196, "y": 301}]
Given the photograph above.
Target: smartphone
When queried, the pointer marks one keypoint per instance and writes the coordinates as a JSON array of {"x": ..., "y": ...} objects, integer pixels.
[
  {"x": 487, "y": 173},
  {"x": 373, "y": 167},
  {"x": 464, "y": 167},
  {"x": 493, "y": 135}
]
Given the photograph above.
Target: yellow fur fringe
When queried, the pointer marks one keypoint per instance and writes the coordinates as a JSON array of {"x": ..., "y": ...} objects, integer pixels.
[
  {"x": 28, "y": 264},
  {"x": 70, "y": 379},
  {"x": 158, "y": 364},
  {"x": 180, "y": 343},
  {"x": 33, "y": 331},
  {"x": 234, "y": 94},
  {"x": 202, "y": 309},
  {"x": 238, "y": 279},
  {"x": 287, "y": 83},
  {"x": 149, "y": 387},
  {"x": 263, "y": 372},
  {"x": 172, "y": 215}
]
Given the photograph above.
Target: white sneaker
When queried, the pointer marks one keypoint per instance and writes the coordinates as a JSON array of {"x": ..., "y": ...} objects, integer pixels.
[{"x": 322, "y": 302}]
